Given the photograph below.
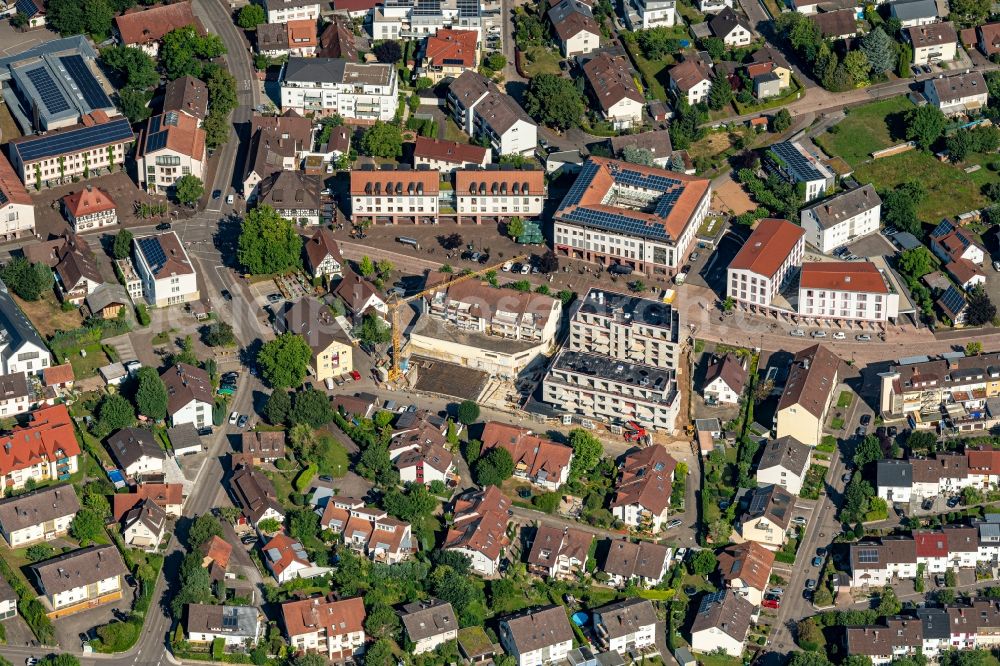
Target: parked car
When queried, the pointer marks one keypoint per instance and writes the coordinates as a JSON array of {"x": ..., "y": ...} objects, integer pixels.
[
  {"x": 163, "y": 226},
  {"x": 915, "y": 70},
  {"x": 771, "y": 603},
  {"x": 866, "y": 419},
  {"x": 507, "y": 266},
  {"x": 273, "y": 298},
  {"x": 800, "y": 521},
  {"x": 811, "y": 584},
  {"x": 355, "y": 375},
  {"x": 516, "y": 268},
  {"x": 231, "y": 199},
  {"x": 679, "y": 555},
  {"x": 996, "y": 264},
  {"x": 861, "y": 431},
  {"x": 839, "y": 335},
  {"x": 695, "y": 255},
  {"x": 776, "y": 591},
  {"x": 233, "y": 418},
  {"x": 846, "y": 478},
  {"x": 926, "y": 69},
  {"x": 817, "y": 561},
  {"x": 864, "y": 337},
  {"x": 242, "y": 423},
  {"x": 821, "y": 552},
  {"x": 216, "y": 194},
  {"x": 952, "y": 502},
  {"x": 525, "y": 269},
  {"x": 819, "y": 334},
  {"x": 797, "y": 333},
  {"x": 205, "y": 431},
  {"x": 893, "y": 431},
  {"x": 226, "y": 296}
]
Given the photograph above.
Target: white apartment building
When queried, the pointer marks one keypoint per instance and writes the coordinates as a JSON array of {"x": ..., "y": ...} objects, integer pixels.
[
  {"x": 640, "y": 217},
  {"x": 448, "y": 156},
  {"x": 610, "y": 390},
  {"x": 794, "y": 163},
  {"x": 498, "y": 194},
  {"x": 471, "y": 306},
  {"x": 171, "y": 146},
  {"x": 45, "y": 448},
  {"x": 958, "y": 93},
  {"x": 846, "y": 291},
  {"x": 283, "y": 11},
  {"x": 646, "y": 14},
  {"x": 99, "y": 145},
  {"x": 16, "y": 396},
  {"x": 328, "y": 86},
  {"x": 842, "y": 218},
  {"x": 412, "y": 19},
  {"x": 395, "y": 196},
  {"x": 627, "y": 327},
  {"x": 765, "y": 262},
  {"x": 167, "y": 275},
  {"x": 334, "y": 629},
  {"x": 538, "y": 637},
  {"x": 80, "y": 579},
  {"x": 89, "y": 209},
  {"x": 626, "y": 626},
  {"x": 17, "y": 211},
  {"x": 38, "y": 515},
  {"x": 481, "y": 109},
  {"x": 937, "y": 42}
]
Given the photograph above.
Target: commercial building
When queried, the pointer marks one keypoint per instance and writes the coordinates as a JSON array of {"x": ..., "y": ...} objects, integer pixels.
[
  {"x": 171, "y": 146},
  {"x": 842, "y": 218},
  {"x": 642, "y": 492},
  {"x": 80, "y": 579},
  {"x": 765, "y": 263},
  {"x": 361, "y": 93},
  {"x": 641, "y": 217},
  {"x": 323, "y": 257},
  {"x": 806, "y": 399},
  {"x": 498, "y": 194},
  {"x": 795, "y": 164},
  {"x": 957, "y": 94},
  {"x": 332, "y": 628},
  {"x": 415, "y": 19},
  {"x": 395, "y": 196},
  {"x": 481, "y": 109},
  {"x": 167, "y": 274}
]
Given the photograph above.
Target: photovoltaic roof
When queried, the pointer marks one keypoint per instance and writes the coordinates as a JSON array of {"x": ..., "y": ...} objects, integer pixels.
[
  {"x": 52, "y": 97},
  {"x": 868, "y": 556},
  {"x": 796, "y": 161},
  {"x": 84, "y": 79},
  {"x": 953, "y": 299},
  {"x": 73, "y": 140},
  {"x": 153, "y": 251}
]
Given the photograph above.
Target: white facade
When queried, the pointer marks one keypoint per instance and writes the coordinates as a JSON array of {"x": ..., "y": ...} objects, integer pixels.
[
  {"x": 721, "y": 392},
  {"x": 625, "y": 113},
  {"x": 581, "y": 43},
  {"x": 144, "y": 466},
  {"x": 713, "y": 638},
  {"x": 329, "y": 643},
  {"x": 968, "y": 93},
  {"x": 830, "y": 224},
  {"x": 351, "y": 90},
  {"x": 85, "y": 592},
  {"x": 738, "y": 36},
  {"x": 141, "y": 535},
  {"x": 945, "y": 52},
  {"x": 39, "y": 532},
  {"x": 646, "y": 14},
  {"x": 280, "y": 11},
  {"x": 713, "y": 6},
  {"x": 26, "y": 357},
  {"x": 698, "y": 93},
  {"x": 550, "y": 654},
  {"x": 166, "y": 283},
  {"x": 843, "y": 304},
  {"x": 159, "y": 171},
  {"x": 93, "y": 221},
  {"x": 788, "y": 479},
  {"x": 747, "y": 286}
]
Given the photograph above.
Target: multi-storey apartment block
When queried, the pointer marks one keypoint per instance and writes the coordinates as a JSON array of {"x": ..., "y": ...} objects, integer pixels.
[
  {"x": 39, "y": 515},
  {"x": 409, "y": 19},
  {"x": 842, "y": 218},
  {"x": 283, "y": 11},
  {"x": 765, "y": 262},
  {"x": 361, "y": 93},
  {"x": 846, "y": 291},
  {"x": 641, "y": 217},
  {"x": 794, "y": 163},
  {"x": 626, "y": 327},
  {"x": 167, "y": 274},
  {"x": 395, "y": 196},
  {"x": 80, "y": 579},
  {"x": 481, "y": 109},
  {"x": 537, "y": 638},
  {"x": 930, "y": 390},
  {"x": 498, "y": 194},
  {"x": 43, "y": 449},
  {"x": 171, "y": 146},
  {"x": 646, "y": 14}
]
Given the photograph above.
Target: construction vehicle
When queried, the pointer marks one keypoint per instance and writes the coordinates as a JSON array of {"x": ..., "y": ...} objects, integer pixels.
[
  {"x": 634, "y": 432},
  {"x": 395, "y": 374}
]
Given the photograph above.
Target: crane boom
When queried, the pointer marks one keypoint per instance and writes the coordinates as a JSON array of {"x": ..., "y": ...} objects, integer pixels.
[{"x": 396, "y": 306}]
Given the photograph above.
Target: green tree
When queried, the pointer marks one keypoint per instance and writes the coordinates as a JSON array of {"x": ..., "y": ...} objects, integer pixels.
[
  {"x": 366, "y": 267},
  {"x": 284, "y": 360},
  {"x": 382, "y": 620},
  {"x": 219, "y": 334},
  {"x": 114, "y": 412},
  {"x": 905, "y": 60},
  {"x": 515, "y": 228},
  {"x": 587, "y": 451},
  {"x": 554, "y": 101},
  {"x": 251, "y": 16},
  {"x": 721, "y": 92},
  {"x": 27, "y": 280},
  {"x": 278, "y": 406},
  {"x": 122, "y": 246},
  {"x": 782, "y": 121},
  {"x": 188, "y": 189},
  {"x": 151, "y": 395},
  {"x": 63, "y": 659},
  {"x": 268, "y": 243},
  {"x": 715, "y": 46},
  {"x": 203, "y": 528},
  {"x": 703, "y": 563},
  {"x": 372, "y": 330},
  {"x": 311, "y": 407},
  {"x": 888, "y": 604},
  {"x": 39, "y": 552},
  {"x": 73, "y": 18},
  {"x": 925, "y": 125},
  {"x": 195, "y": 585},
  {"x": 899, "y": 207},
  {"x": 380, "y": 653},
  {"x": 135, "y": 103},
  {"x": 809, "y": 636},
  {"x": 970, "y": 12},
  {"x": 134, "y": 65},
  {"x": 868, "y": 450},
  {"x": 657, "y": 42},
  {"x": 974, "y": 348},
  {"x": 388, "y": 52},
  {"x": 808, "y": 659},
  {"x": 496, "y": 62},
  {"x": 382, "y": 140},
  {"x": 916, "y": 262},
  {"x": 468, "y": 412},
  {"x": 981, "y": 309},
  {"x": 87, "y": 527},
  {"x": 495, "y": 467},
  {"x": 185, "y": 52},
  {"x": 857, "y": 66},
  {"x": 880, "y": 50}
]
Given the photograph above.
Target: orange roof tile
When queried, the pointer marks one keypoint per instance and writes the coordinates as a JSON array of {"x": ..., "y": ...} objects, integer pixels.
[
  {"x": 767, "y": 247},
  {"x": 855, "y": 276},
  {"x": 452, "y": 47},
  {"x": 58, "y": 374},
  {"x": 47, "y": 436},
  {"x": 87, "y": 201}
]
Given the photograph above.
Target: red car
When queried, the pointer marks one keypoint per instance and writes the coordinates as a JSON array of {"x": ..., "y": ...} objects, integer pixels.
[
  {"x": 771, "y": 603},
  {"x": 355, "y": 375}
]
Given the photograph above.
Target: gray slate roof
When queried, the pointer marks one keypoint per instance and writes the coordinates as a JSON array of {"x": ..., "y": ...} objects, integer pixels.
[
  {"x": 79, "y": 568},
  {"x": 894, "y": 473},
  {"x": 15, "y": 323},
  {"x": 37, "y": 507},
  {"x": 841, "y": 207},
  {"x": 786, "y": 452},
  {"x": 129, "y": 445},
  {"x": 424, "y": 619},
  {"x": 908, "y": 10}
]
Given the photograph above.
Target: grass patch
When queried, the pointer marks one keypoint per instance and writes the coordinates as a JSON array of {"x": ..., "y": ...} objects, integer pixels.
[
  {"x": 654, "y": 72},
  {"x": 709, "y": 227},
  {"x": 452, "y": 132},
  {"x": 866, "y": 129},
  {"x": 788, "y": 551},
  {"x": 828, "y": 444},
  {"x": 47, "y": 315},
  {"x": 773, "y": 102},
  {"x": 87, "y": 366},
  {"x": 813, "y": 484},
  {"x": 837, "y": 423},
  {"x": 716, "y": 659},
  {"x": 540, "y": 60},
  {"x": 845, "y": 399}
]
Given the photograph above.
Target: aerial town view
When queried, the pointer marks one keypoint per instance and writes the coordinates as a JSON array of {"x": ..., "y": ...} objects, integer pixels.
[{"x": 500, "y": 332}]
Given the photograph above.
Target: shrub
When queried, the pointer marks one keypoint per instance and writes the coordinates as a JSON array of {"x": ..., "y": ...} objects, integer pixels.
[{"x": 304, "y": 477}]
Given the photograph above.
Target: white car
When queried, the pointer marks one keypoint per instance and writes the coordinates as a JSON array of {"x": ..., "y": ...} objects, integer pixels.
[
  {"x": 797, "y": 333},
  {"x": 864, "y": 337},
  {"x": 230, "y": 199},
  {"x": 525, "y": 269},
  {"x": 839, "y": 335},
  {"x": 233, "y": 418},
  {"x": 674, "y": 523},
  {"x": 507, "y": 266},
  {"x": 996, "y": 265},
  {"x": 818, "y": 334}
]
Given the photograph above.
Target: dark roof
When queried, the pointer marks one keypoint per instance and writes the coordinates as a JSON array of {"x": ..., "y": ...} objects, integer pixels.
[
  {"x": 656, "y": 142},
  {"x": 186, "y": 383},
  {"x": 79, "y": 568},
  {"x": 730, "y": 369},
  {"x": 15, "y": 324},
  {"x": 184, "y": 436},
  {"x": 726, "y": 611},
  {"x": 841, "y": 207},
  {"x": 771, "y": 502},
  {"x": 149, "y": 513},
  {"x": 109, "y": 293},
  {"x": 314, "y": 321},
  {"x": 290, "y": 190},
  {"x": 837, "y": 24},
  {"x": 537, "y": 629},
  {"x": 129, "y": 445},
  {"x": 812, "y": 377},
  {"x": 786, "y": 452},
  {"x": 896, "y": 633},
  {"x": 625, "y": 617},
  {"x": 610, "y": 77},
  {"x": 726, "y": 21},
  {"x": 932, "y": 35},
  {"x": 571, "y": 17},
  {"x": 337, "y": 40},
  {"x": 628, "y": 559},
  {"x": 424, "y": 619},
  {"x": 37, "y": 507},
  {"x": 254, "y": 493},
  {"x": 906, "y": 10},
  {"x": 188, "y": 95}
]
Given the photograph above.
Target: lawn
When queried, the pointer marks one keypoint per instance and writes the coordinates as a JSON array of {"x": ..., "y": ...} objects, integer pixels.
[
  {"x": 828, "y": 444},
  {"x": 845, "y": 400},
  {"x": 452, "y": 132},
  {"x": 48, "y": 316},
  {"x": 716, "y": 659},
  {"x": 837, "y": 423},
  {"x": 540, "y": 60},
  {"x": 866, "y": 129},
  {"x": 654, "y": 72},
  {"x": 87, "y": 366}
]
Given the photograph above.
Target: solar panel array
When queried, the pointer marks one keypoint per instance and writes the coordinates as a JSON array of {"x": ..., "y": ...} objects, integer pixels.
[
  {"x": 617, "y": 222},
  {"x": 945, "y": 227},
  {"x": 645, "y": 181},
  {"x": 52, "y": 97},
  {"x": 26, "y": 7},
  {"x": 76, "y": 140},
  {"x": 796, "y": 161},
  {"x": 427, "y": 8},
  {"x": 953, "y": 300},
  {"x": 709, "y": 600},
  {"x": 153, "y": 251},
  {"x": 85, "y": 81},
  {"x": 581, "y": 184},
  {"x": 3, "y": 198},
  {"x": 468, "y": 8},
  {"x": 156, "y": 141},
  {"x": 667, "y": 201},
  {"x": 868, "y": 556}
]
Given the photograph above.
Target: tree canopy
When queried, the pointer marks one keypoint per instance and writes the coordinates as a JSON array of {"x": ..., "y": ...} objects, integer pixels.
[
  {"x": 284, "y": 360},
  {"x": 389, "y": 52},
  {"x": 916, "y": 262},
  {"x": 250, "y": 16},
  {"x": 880, "y": 50},
  {"x": 151, "y": 394},
  {"x": 468, "y": 412},
  {"x": 495, "y": 467},
  {"x": 554, "y": 101},
  {"x": 27, "y": 280},
  {"x": 68, "y": 17},
  {"x": 925, "y": 125},
  {"x": 268, "y": 243},
  {"x": 311, "y": 407},
  {"x": 114, "y": 412},
  {"x": 184, "y": 52},
  {"x": 587, "y": 451},
  {"x": 382, "y": 140},
  {"x": 189, "y": 189},
  {"x": 122, "y": 246},
  {"x": 372, "y": 330}
]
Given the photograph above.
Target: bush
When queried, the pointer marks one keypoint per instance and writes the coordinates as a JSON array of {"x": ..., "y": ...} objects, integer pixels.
[
  {"x": 304, "y": 477},
  {"x": 142, "y": 314}
]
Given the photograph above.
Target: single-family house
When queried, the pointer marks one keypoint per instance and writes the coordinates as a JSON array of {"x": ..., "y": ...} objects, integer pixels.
[
  {"x": 537, "y": 637},
  {"x": 136, "y": 452},
  {"x": 692, "y": 78},
  {"x": 287, "y": 559},
  {"x": 558, "y": 552},
  {"x": 745, "y": 569},
  {"x": 327, "y": 626},
  {"x": 479, "y": 528},
  {"x": 644, "y": 562},
  {"x": 731, "y": 28},
  {"x": 236, "y": 626},
  {"x": 958, "y": 93},
  {"x": 784, "y": 463},
  {"x": 38, "y": 515},
  {"x": 642, "y": 492},
  {"x": 767, "y": 517},
  {"x": 722, "y": 623},
  {"x": 323, "y": 257},
  {"x": 189, "y": 395},
  {"x": 540, "y": 461},
  {"x": 725, "y": 380},
  {"x": 429, "y": 624},
  {"x": 144, "y": 525},
  {"x": 626, "y": 626}
]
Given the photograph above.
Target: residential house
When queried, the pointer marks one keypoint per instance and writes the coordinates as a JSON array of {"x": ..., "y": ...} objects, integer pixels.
[
  {"x": 842, "y": 218},
  {"x": 189, "y": 395},
  {"x": 479, "y": 528},
  {"x": 332, "y": 353},
  {"x": 167, "y": 274},
  {"x": 784, "y": 463},
  {"x": 928, "y": 388},
  {"x": 914, "y": 12},
  {"x": 958, "y": 93},
  {"x": 107, "y": 300},
  {"x": 725, "y": 380},
  {"x": 287, "y": 559},
  {"x": 657, "y": 142},
  {"x": 136, "y": 452},
  {"x": 644, "y": 563},
  {"x": 170, "y": 146},
  {"x": 745, "y": 569},
  {"x": 692, "y": 78},
  {"x": 236, "y": 626},
  {"x": 263, "y": 446},
  {"x": 965, "y": 273},
  {"x": 293, "y": 195},
  {"x": 21, "y": 347},
  {"x": 881, "y": 562},
  {"x": 447, "y": 53},
  {"x": 59, "y": 376},
  {"x": 805, "y": 402},
  {"x": 953, "y": 244},
  {"x": 256, "y": 496},
  {"x": 16, "y": 397},
  {"x": 283, "y": 11},
  {"x": 936, "y": 42},
  {"x": 361, "y": 93},
  {"x": 145, "y": 28},
  {"x": 642, "y": 492},
  {"x": 88, "y": 209},
  {"x": 775, "y": 62},
  {"x": 144, "y": 525},
  {"x": 537, "y": 637},
  {"x": 43, "y": 449},
  {"x": 558, "y": 552},
  {"x": 168, "y": 496},
  {"x": 73, "y": 263},
  {"x": 277, "y": 143},
  {"x": 988, "y": 39},
  {"x": 38, "y": 515},
  {"x": 937, "y": 633},
  {"x": 336, "y": 511},
  {"x": 80, "y": 579},
  {"x": 216, "y": 553},
  {"x": 429, "y": 624},
  {"x": 17, "y": 210},
  {"x": 575, "y": 27},
  {"x": 627, "y": 626},
  {"x": 954, "y": 306},
  {"x": 330, "y": 627},
  {"x": 184, "y": 440},
  {"x": 359, "y": 296},
  {"x": 898, "y": 637},
  {"x": 846, "y": 291},
  {"x": 337, "y": 40},
  {"x": 731, "y": 28},
  {"x": 612, "y": 83},
  {"x": 8, "y": 600},
  {"x": 541, "y": 461},
  {"x": 838, "y": 24},
  {"x": 187, "y": 95},
  {"x": 383, "y": 538},
  {"x": 323, "y": 257},
  {"x": 767, "y": 517},
  {"x": 481, "y": 109},
  {"x": 795, "y": 164},
  {"x": 722, "y": 623},
  {"x": 765, "y": 263},
  {"x": 421, "y": 457},
  {"x": 646, "y": 14},
  {"x": 448, "y": 156}
]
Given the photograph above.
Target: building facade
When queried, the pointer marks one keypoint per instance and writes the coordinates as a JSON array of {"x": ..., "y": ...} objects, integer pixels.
[{"x": 327, "y": 86}]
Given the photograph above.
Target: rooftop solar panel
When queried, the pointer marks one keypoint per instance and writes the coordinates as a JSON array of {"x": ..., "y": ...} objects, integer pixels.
[
  {"x": 156, "y": 142},
  {"x": 580, "y": 184},
  {"x": 153, "y": 251},
  {"x": 75, "y": 140},
  {"x": 868, "y": 556},
  {"x": 27, "y": 7},
  {"x": 53, "y": 98},
  {"x": 796, "y": 161},
  {"x": 92, "y": 92},
  {"x": 953, "y": 299},
  {"x": 943, "y": 228}
]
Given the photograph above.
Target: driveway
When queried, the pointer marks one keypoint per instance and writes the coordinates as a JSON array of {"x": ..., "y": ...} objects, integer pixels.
[{"x": 69, "y": 628}]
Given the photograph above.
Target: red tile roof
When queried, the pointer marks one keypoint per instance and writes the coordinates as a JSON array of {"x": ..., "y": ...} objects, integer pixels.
[
  {"x": 216, "y": 550},
  {"x": 855, "y": 276},
  {"x": 146, "y": 26},
  {"x": 58, "y": 374},
  {"x": 645, "y": 479},
  {"x": 531, "y": 453},
  {"x": 452, "y": 47},
  {"x": 335, "y": 617},
  {"x": 749, "y": 562},
  {"x": 161, "y": 494},
  {"x": 448, "y": 151},
  {"x": 931, "y": 544},
  {"x": 989, "y": 37},
  {"x": 383, "y": 183},
  {"x": 767, "y": 247},
  {"x": 10, "y": 185},
  {"x": 87, "y": 201},
  {"x": 48, "y": 436},
  {"x": 301, "y": 33}
]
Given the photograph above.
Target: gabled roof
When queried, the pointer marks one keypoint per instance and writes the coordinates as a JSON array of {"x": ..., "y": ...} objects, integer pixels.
[
  {"x": 690, "y": 73},
  {"x": 337, "y": 40},
  {"x": 909, "y": 10},
  {"x": 851, "y": 276},
  {"x": 337, "y": 618},
  {"x": 611, "y": 79},
  {"x": 894, "y": 473},
  {"x": 313, "y": 320},
  {"x": 538, "y": 629},
  {"x": 786, "y": 453},
  {"x": 294, "y": 190},
  {"x": 989, "y": 38},
  {"x": 726, "y": 21},
  {"x": 426, "y": 619},
  {"x": 552, "y": 542},
  {"x": 730, "y": 370},
  {"x": 12, "y": 190},
  {"x": 109, "y": 293},
  {"x": 645, "y": 479},
  {"x": 130, "y": 445},
  {"x": 838, "y": 23},
  {"x": 480, "y": 523},
  {"x": 897, "y": 633},
  {"x": 282, "y": 551},
  {"x": 767, "y": 247},
  {"x": 164, "y": 494},
  {"x": 79, "y": 568},
  {"x": 217, "y": 550},
  {"x": 958, "y": 86},
  {"x": 254, "y": 493},
  {"x": 934, "y": 34},
  {"x": 536, "y": 457},
  {"x": 571, "y": 17},
  {"x": 58, "y": 374},
  {"x": 844, "y": 206},
  {"x": 145, "y": 26},
  {"x": 175, "y": 131},
  {"x": 452, "y": 47},
  {"x": 748, "y": 562},
  {"x": 186, "y": 383},
  {"x": 164, "y": 254},
  {"x": 812, "y": 377},
  {"x": 149, "y": 514},
  {"x": 448, "y": 151},
  {"x": 771, "y": 502},
  {"x": 38, "y": 507},
  {"x": 726, "y": 611},
  {"x": 187, "y": 95},
  {"x": 626, "y": 617},
  {"x": 88, "y": 201},
  {"x": 628, "y": 559}
]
